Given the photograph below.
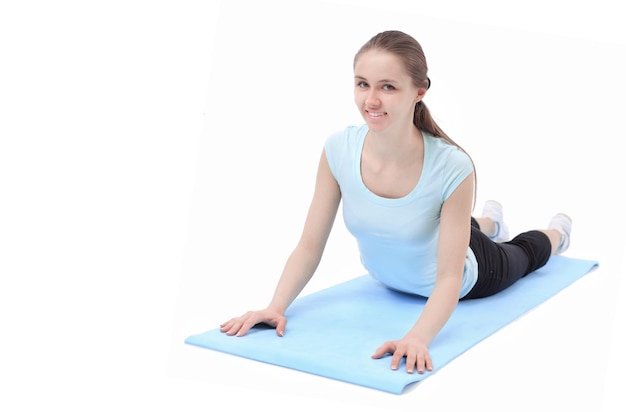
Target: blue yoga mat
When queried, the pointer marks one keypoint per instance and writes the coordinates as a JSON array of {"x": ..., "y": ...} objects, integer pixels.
[{"x": 333, "y": 332}]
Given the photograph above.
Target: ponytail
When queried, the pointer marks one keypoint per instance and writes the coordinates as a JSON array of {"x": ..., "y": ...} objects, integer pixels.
[{"x": 423, "y": 120}]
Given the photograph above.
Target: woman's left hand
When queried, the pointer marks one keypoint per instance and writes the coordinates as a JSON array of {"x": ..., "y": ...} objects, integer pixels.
[{"x": 413, "y": 349}]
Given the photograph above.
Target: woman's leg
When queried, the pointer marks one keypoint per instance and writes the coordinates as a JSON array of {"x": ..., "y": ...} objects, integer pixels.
[
  {"x": 492, "y": 223},
  {"x": 502, "y": 264},
  {"x": 559, "y": 231}
]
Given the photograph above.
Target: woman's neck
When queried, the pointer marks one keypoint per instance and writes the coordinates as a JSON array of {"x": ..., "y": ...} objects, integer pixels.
[{"x": 395, "y": 145}]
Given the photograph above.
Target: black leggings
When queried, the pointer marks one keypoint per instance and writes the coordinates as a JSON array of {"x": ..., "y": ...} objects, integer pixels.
[{"x": 502, "y": 264}]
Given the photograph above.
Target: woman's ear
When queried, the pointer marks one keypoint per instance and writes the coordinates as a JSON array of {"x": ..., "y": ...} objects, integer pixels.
[{"x": 421, "y": 92}]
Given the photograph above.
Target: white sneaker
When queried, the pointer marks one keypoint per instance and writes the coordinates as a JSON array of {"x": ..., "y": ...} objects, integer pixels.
[
  {"x": 493, "y": 210},
  {"x": 562, "y": 224}
]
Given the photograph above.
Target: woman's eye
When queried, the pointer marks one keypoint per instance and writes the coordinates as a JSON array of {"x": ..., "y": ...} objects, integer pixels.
[
  {"x": 388, "y": 87},
  {"x": 361, "y": 84}
]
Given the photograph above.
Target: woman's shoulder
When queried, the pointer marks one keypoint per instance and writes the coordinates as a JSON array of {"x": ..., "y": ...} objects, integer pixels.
[
  {"x": 441, "y": 145},
  {"x": 445, "y": 153},
  {"x": 438, "y": 142},
  {"x": 347, "y": 135},
  {"x": 342, "y": 146},
  {"x": 351, "y": 131}
]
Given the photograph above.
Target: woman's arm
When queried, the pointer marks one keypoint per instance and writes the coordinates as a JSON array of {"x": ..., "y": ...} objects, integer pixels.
[
  {"x": 454, "y": 234},
  {"x": 304, "y": 259}
]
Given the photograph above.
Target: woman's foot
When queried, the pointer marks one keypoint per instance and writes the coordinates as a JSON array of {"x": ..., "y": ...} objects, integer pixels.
[
  {"x": 493, "y": 211},
  {"x": 562, "y": 224}
]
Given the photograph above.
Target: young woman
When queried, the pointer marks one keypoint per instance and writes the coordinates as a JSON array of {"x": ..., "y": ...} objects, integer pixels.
[{"x": 407, "y": 191}]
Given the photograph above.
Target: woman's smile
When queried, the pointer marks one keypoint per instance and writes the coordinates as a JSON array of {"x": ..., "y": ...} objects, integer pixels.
[{"x": 375, "y": 114}]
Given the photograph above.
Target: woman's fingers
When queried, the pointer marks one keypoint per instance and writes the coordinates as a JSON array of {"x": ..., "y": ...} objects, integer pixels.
[
  {"x": 248, "y": 322},
  {"x": 401, "y": 351},
  {"x": 416, "y": 358},
  {"x": 237, "y": 326},
  {"x": 387, "y": 347},
  {"x": 231, "y": 327},
  {"x": 280, "y": 326},
  {"x": 241, "y": 325},
  {"x": 429, "y": 363},
  {"x": 420, "y": 361}
]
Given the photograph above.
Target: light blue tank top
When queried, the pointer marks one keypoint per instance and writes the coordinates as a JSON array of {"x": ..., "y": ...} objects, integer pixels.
[{"x": 398, "y": 238}]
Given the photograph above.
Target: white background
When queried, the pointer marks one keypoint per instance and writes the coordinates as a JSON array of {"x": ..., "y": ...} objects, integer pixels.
[{"x": 157, "y": 159}]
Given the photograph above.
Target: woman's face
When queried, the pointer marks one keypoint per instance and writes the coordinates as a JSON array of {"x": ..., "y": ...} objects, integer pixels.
[{"x": 384, "y": 91}]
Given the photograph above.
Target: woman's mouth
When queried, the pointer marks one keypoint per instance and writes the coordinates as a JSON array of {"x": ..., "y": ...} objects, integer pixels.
[{"x": 375, "y": 115}]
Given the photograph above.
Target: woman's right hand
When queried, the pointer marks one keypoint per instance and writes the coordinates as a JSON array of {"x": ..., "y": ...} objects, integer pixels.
[{"x": 241, "y": 325}]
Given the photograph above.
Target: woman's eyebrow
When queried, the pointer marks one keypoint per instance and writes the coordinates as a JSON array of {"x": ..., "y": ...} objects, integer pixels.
[{"x": 380, "y": 81}]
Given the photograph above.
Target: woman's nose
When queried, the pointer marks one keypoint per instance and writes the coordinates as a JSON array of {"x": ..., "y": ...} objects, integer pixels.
[{"x": 372, "y": 98}]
